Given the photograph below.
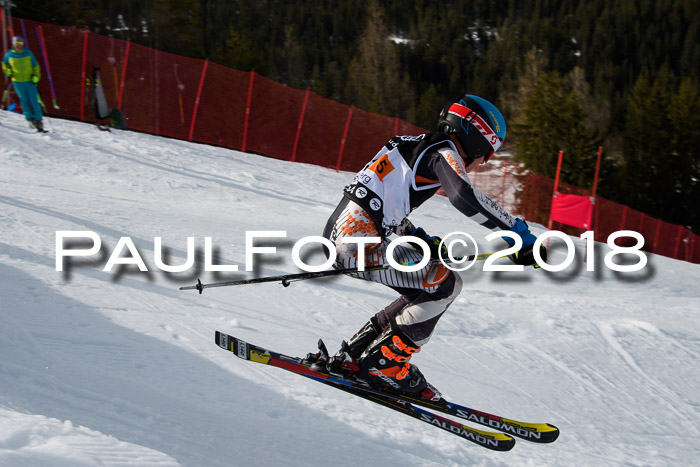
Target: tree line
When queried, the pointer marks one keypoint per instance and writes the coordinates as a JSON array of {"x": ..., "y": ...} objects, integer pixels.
[{"x": 567, "y": 74}]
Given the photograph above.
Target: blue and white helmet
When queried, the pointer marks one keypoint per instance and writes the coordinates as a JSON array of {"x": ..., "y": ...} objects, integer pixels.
[
  {"x": 479, "y": 126},
  {"x": 17, "y": 40}
]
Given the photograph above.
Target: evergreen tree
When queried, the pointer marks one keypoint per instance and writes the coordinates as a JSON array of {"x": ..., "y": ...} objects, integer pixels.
[
  {"x": 238, "y": 52},
  {"x": 176, "y": 27},
  {"x": 684, "y": 160},
  {"x": 376, "y": 83},
  {"x": 555, "y": 119},
  {"x": 645, "y": 174}
]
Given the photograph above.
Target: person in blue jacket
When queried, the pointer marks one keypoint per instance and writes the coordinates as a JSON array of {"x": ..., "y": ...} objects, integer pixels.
[{"x": 20, "y": 64}]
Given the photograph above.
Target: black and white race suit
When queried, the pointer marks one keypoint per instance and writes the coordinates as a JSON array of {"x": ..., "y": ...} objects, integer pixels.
[{"x": 403, "y": 175}]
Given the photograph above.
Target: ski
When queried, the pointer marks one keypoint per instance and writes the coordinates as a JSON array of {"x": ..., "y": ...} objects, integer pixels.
[
  {"x": 535, "y": 432},
  {"x": 495, "y": 441}
]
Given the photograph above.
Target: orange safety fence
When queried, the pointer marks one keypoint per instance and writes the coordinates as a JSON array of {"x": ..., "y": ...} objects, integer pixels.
[{"x": 197, "y": 100}]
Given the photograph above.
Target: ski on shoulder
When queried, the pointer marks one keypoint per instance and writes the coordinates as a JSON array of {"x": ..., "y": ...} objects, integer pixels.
[{"x": 535, "y": 432}]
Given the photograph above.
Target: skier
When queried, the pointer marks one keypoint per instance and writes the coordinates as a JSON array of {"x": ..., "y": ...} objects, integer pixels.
[
  {"x": 405, "y": 173},
  {"x": 21, "y": 65}
]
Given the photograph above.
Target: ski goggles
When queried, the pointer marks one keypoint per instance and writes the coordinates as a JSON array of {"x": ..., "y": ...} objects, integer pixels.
[{"x": 475, "y": 148}]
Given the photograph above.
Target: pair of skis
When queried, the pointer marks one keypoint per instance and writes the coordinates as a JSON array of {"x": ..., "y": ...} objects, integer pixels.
[{"x": 501, "y": 440}]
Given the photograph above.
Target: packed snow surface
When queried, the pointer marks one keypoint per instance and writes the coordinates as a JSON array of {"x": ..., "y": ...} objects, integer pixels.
[{"x": 120, "y": 367}]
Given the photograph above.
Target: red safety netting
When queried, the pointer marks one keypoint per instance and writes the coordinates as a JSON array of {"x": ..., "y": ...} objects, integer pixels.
[
  {"x": 660, "y": 237},
  {"x": 367, "y": 134},
  {"x": 197, "y": 100},
  {"x": 322, "y": 132},
  {"x": 222, "y": 106}
]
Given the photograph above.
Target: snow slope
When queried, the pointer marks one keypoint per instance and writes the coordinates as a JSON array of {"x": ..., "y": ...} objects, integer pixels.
[{"x": 120, "y": 367}]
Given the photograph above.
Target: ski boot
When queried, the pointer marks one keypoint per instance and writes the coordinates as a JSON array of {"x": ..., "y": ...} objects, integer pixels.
[
  {"x": 39, "y": 125},
  {"x": 385, "y": 365},
  {"x": 32, "y": 124},
  {"x": 345, "y": 362},
  {"x": 318, "y": 360}
]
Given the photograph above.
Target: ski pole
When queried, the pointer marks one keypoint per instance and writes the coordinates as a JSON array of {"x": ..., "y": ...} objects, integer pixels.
[
  {"x": 42, "y": 44},
  {"x": 287, "y": 279}
]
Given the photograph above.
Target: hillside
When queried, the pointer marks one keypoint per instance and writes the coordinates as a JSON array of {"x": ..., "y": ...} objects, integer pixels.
[{"x": 120, "y": 367}]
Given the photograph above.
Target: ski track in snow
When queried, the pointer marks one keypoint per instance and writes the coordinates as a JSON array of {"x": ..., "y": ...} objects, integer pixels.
[{"x": 120, "y": 368}]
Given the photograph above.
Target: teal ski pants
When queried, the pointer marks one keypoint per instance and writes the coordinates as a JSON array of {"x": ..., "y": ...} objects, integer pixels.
[{"x": 28, "y": 97}]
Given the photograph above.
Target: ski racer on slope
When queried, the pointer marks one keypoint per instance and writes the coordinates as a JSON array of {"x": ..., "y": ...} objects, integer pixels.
[{"x": 403, "y": 175}]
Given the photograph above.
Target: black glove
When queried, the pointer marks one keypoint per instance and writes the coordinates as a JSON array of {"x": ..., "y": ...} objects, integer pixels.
[
  {"x": 526, "y": 256},
  {"x": 433, "y": 243}
]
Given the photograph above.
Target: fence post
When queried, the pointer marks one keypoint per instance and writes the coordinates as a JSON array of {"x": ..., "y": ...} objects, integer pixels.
[
  {"x": 199, "y": 93},
  {"x": 396, "y": 126},
  {"x": 82, "y": 76},
  {"x": 301, "y": 122},
  {"x": 342, "y": 141},
  {"x": 121, "y": 85},
  {"x": 678, "y": 241},
  {"x": 624, "y": 218},
  {"x": 247, "y": 110}
]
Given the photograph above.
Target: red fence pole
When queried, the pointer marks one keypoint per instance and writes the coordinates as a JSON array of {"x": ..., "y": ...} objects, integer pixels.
[
  {"x": 247, "y": 110},
  {"x": 82, "y": 76},
  {"x": 196, "y": 101},
  {"x": 121, "y": 85},
  {"x": 678, "y": 241},
  {"x": 301, "y": 122},
  {"x": 556, "y": 177},
  {"x": 342, "y": 141},
  {"x": 624, "y": 217},
  {"x": 396, "y": 126}
]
